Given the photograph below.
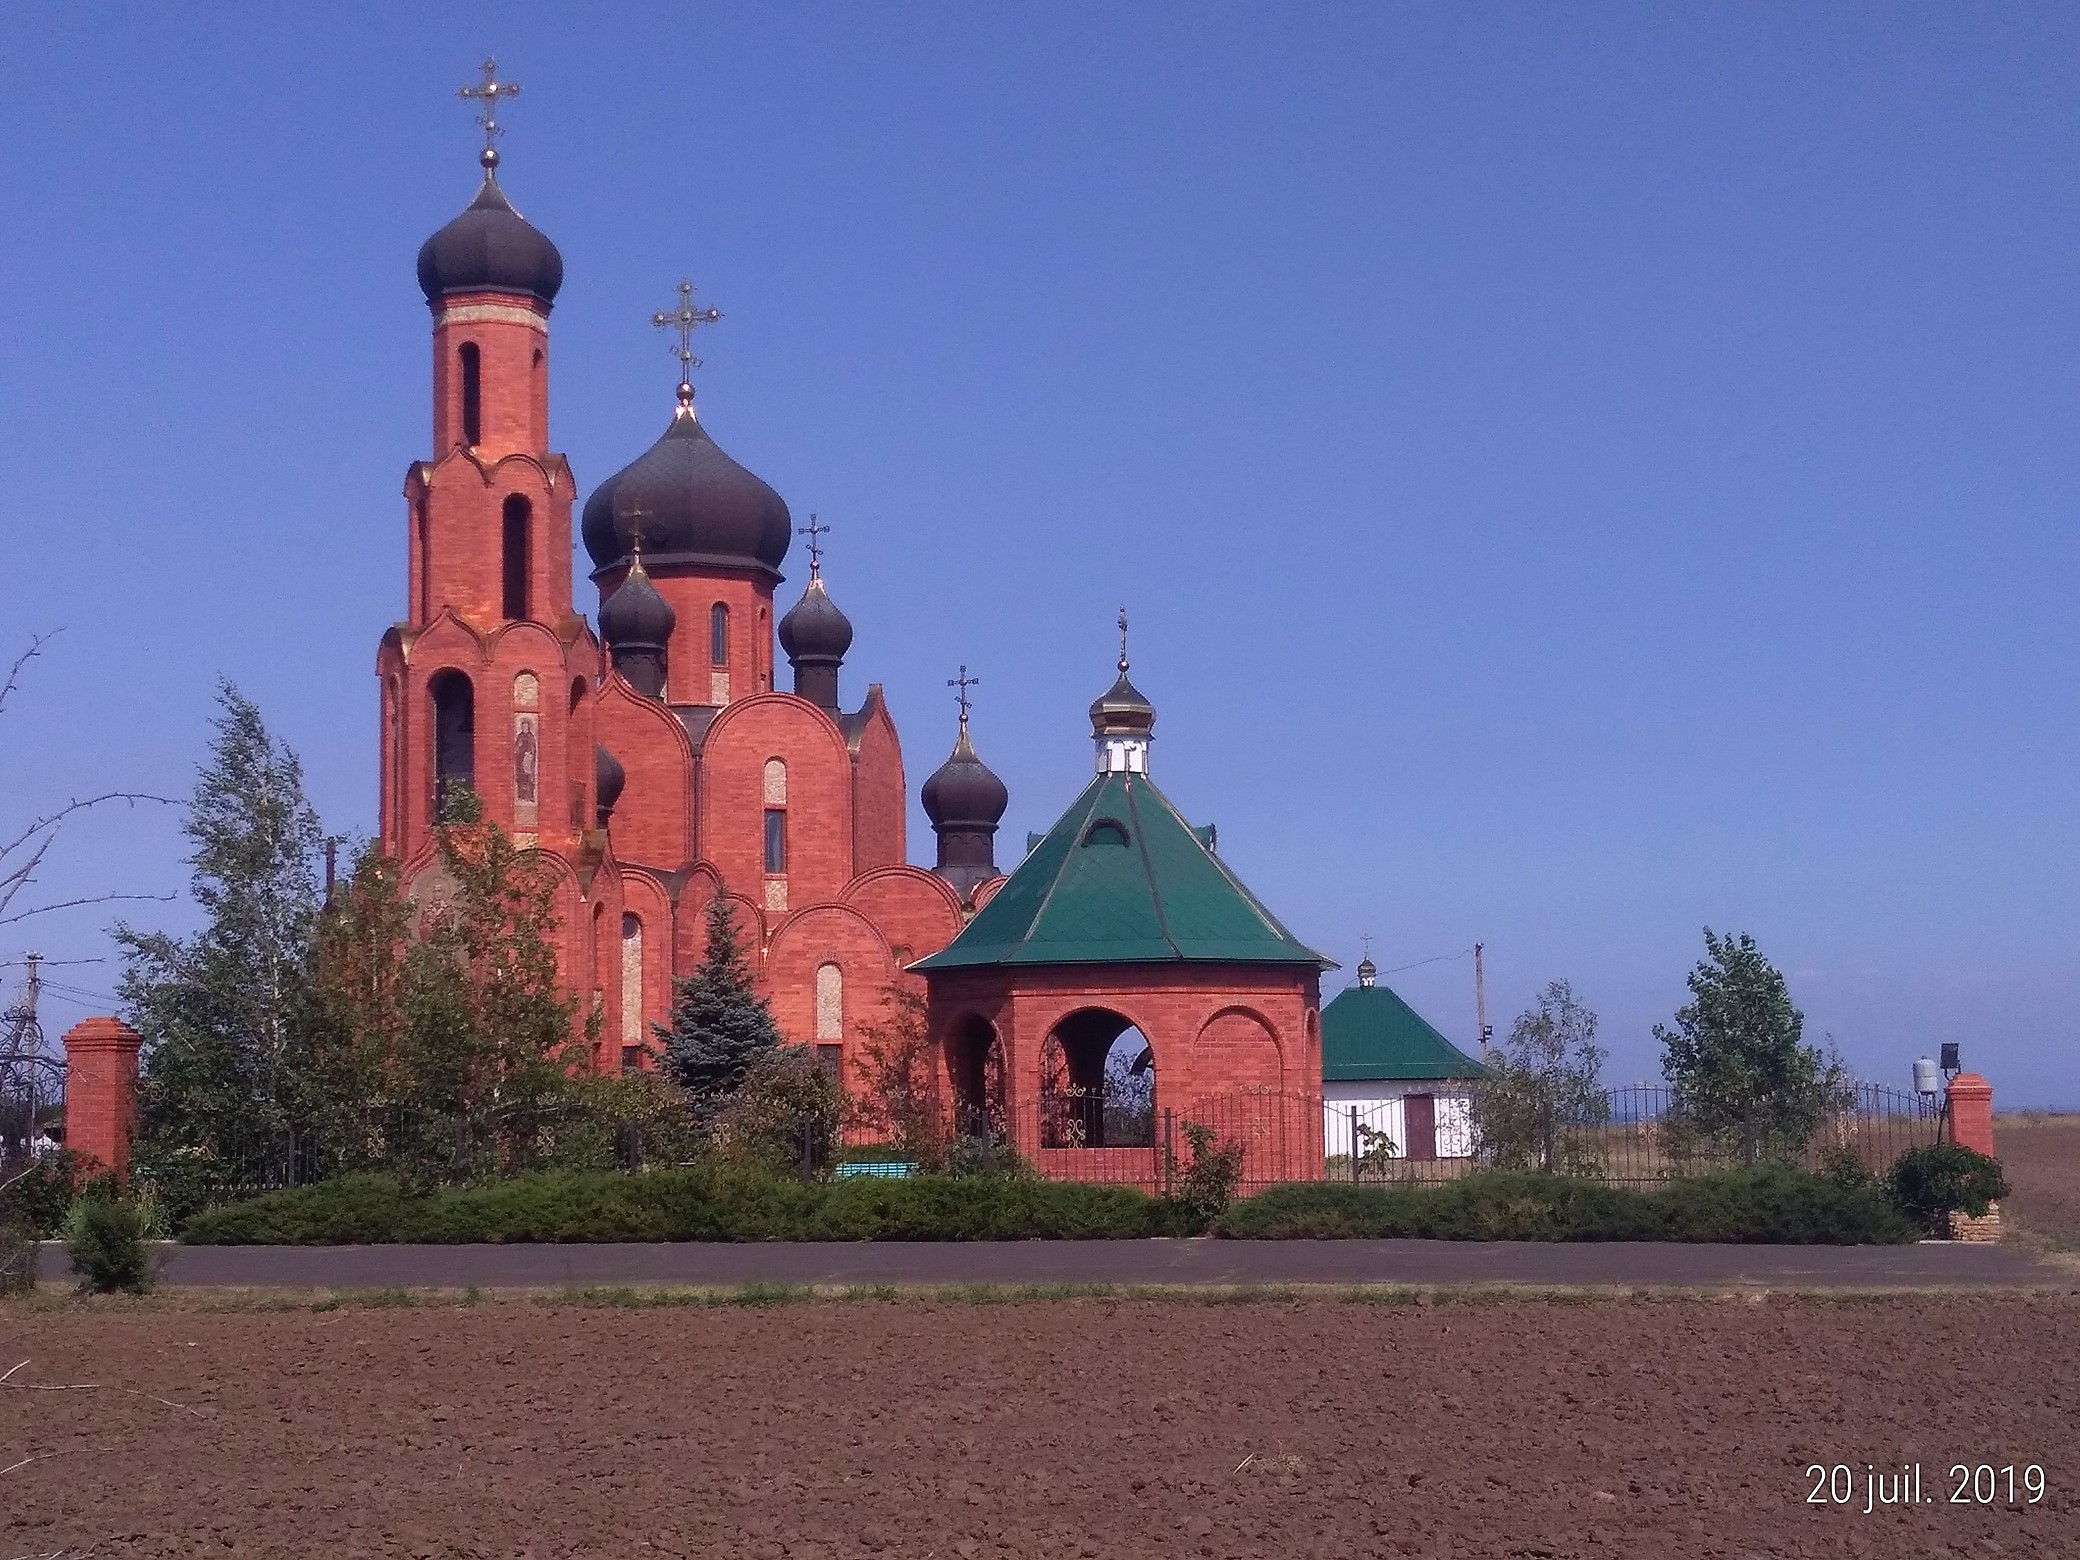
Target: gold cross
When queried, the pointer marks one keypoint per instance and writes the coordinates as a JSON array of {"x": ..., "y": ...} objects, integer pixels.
[
  {"x": 812, "y": 530},
  {"x": 1123, "y": 640},
  {"x": 963, "y": 682},
  {"x": 683, "y": 319},
  {"x": 489, "y": 95}
]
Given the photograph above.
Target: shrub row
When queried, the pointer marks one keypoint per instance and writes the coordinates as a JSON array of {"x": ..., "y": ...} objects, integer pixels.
[
  {"x": 703, "y": 1203},
  {"x": 712, "y": 1203},
  {"x": 1776, "y": 1205}
]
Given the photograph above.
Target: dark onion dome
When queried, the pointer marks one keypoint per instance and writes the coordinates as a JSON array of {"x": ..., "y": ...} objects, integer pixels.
[
  {"x": 489, "y": 248},
  {"x": 608, "y": 777},
  {"x": 1122, "y": 711},
  {"x": 963, "y": 793},
  {"x": 636, "y": 615},
  {"x": 698, "y": 506},
  {"x": 813, "y": 629}
]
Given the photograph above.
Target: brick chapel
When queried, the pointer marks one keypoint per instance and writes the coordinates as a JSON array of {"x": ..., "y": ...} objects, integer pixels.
[{"x": 665, "y": 759}]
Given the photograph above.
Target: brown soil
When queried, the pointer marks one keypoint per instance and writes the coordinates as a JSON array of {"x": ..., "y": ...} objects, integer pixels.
[
  {"x": 2042, "y": 1157},
  {"x": 1663, "y": 1428}
]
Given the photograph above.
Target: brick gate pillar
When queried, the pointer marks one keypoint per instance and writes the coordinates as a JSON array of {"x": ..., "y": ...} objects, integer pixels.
[
  {"x": 101, "y": 1090},
  {"x": 1971, "y": 1126}
]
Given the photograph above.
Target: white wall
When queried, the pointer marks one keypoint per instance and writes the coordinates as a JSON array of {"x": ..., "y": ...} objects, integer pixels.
[{"x": 1378, "y": 1103}]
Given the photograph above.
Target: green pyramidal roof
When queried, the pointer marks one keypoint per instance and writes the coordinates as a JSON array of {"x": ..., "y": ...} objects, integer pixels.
[
  {"x": 1121, "y": 878},
  {"x": 1369, "y": 1032}
]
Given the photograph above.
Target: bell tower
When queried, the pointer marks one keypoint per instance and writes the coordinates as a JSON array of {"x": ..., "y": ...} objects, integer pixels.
[{"x": 481, "y": 682}]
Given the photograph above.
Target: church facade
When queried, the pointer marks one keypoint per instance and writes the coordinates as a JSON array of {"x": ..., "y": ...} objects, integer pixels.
[{"x": 658, "y": 763}]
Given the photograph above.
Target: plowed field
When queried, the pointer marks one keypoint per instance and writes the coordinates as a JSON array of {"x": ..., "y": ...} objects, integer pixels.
[{"x": 1652, "y": 1428}]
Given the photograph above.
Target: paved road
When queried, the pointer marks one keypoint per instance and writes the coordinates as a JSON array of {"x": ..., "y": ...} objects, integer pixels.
[{"x": 1113, "y": 1262}]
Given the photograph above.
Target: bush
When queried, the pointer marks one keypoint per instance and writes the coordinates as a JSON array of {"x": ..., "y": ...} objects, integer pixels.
[
  {"x": 1930, "y": 1183},
  {"x": 105, "y": 1238},
  {"x": 35, "y": 1197},
  {"x": 1209, "y": 1181},
  {"x": 17, "y": 1258},
  {"x": 1773, "y": 1204},
  {"x": 708, "y": 1202},
  {"x": 784, "y": 1117}
]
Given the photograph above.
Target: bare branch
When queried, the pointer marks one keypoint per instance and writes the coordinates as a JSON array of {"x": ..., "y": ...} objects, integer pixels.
[
  {"x": 81, "y": 804},
  {"x": 14, "y": 672},
  {"x": 91, "y": 899}
]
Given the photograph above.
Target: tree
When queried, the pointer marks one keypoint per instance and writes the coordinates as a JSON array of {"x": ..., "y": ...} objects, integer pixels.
[
  {"x": 721, "y": 1027},
  {"x": 1546, "y": 1087},
  {"x": 898, "y": 1096},
  {"x": 225, "y": 1092},
  {"x": 441, "y": 1051},
  {"x": 1740, "y": 1076}
]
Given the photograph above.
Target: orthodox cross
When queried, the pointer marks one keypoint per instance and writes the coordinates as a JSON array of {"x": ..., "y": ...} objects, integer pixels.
[
  {"x": 683, "y": 320},
  {"x": 489, "y": 94},
  {"x": 1123, "y": 640},
  {"x": 963, "y": 682},
  {"x": 1366, "y": 939},
  {"x": 812, "y": 530}
]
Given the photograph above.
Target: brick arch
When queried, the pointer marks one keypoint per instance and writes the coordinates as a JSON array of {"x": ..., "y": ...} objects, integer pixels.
[
  {"x": 1230, "y": 1049},
  {"x": 551, "y": 648},
  {"x": 913, "y": 908},
  {"x": 645, "y": 896},
  {"x": 446, "y": 625},
  {"x": 827, "y": 934},
  {"x": 739, "y": 743},
  {"x": 651, "y": 821}
]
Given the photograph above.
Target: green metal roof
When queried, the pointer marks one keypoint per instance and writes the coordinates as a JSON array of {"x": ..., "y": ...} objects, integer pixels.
[
  {"x": 1369, "y": 1032},
  {"x": 1121, "y": 878}
]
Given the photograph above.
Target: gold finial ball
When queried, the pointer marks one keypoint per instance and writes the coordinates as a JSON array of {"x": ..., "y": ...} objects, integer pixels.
[
  {"x": 489, "y": 158},
  {"x": 685, "y": 393}
]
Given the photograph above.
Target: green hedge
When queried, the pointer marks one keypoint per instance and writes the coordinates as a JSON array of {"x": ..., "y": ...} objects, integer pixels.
[
  {"x": 713, "y": 1203},
  {"x": 1774, "y": 1205},
  {"x": 694, "y": 1204}
]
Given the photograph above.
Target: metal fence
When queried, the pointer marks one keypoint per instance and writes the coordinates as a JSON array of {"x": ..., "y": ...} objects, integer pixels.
[{"x": 1641, "y": 1135}]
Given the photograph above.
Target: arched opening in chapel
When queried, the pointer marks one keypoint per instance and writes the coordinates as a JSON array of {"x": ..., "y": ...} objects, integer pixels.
[
  {"x": 975, "y": 1065},
  {"x": 1097, "y": 1083}
]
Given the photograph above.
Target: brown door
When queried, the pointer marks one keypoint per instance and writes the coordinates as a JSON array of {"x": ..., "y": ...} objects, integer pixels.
[{"x": 1422, "y": 1125}]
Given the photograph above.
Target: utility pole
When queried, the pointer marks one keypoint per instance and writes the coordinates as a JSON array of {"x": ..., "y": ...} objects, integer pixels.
[{"x": 1480, "y": 1001}]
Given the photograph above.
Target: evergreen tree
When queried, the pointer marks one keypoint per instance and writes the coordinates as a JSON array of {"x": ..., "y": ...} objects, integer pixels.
[
  {"x": 1741, "y": 1077},
  {"x": 720, "y": 1027},
  {"x": 225, "y": 1091}
]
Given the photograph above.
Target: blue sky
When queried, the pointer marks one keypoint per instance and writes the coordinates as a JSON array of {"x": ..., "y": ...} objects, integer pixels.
[{"x": 1578, "y": 473}]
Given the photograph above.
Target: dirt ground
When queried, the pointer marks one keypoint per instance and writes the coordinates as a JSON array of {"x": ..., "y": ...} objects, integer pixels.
[
  {"x": 1057, "y": 1428},
  {"x": 2042, "y": 1157}
]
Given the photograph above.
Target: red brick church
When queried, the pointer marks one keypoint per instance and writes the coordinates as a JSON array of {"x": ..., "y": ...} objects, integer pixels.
[{"x": 665, "y": 758}]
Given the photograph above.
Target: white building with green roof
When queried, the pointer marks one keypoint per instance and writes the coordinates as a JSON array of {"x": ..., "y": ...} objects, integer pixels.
[{"x": 1387, "y": 1069}]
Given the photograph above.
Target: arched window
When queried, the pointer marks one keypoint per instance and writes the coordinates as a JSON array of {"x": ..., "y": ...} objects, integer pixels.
[
  {"x": 424, "y": 606},
  {"x": 830, "y": 1002},
  {"x": 454, "y": 738},
  {"x": 775, "y": 782},
  {"x": 472, "y": 395},
  {"x": 631, "y": 988},
  {"x": 577, "y": 757},
  {"x": 718, "y": 635},
  {"x": 518, "y": 515}
]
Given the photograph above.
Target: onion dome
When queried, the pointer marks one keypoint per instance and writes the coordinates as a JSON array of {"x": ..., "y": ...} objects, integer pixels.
[
  {"x": 698, "y": 507},
  {"x": 1368, "y": 972},
  {"x": 490, "y": 247},
  {"x": 1122, "y": 711},
  {"x": 636, "y": 615},
  {"x": 813, "y": 629},
  {"x": 637, "y": 623},
  {"x": 608, "y": 777},
  {"x": 963, "y": 792}
]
